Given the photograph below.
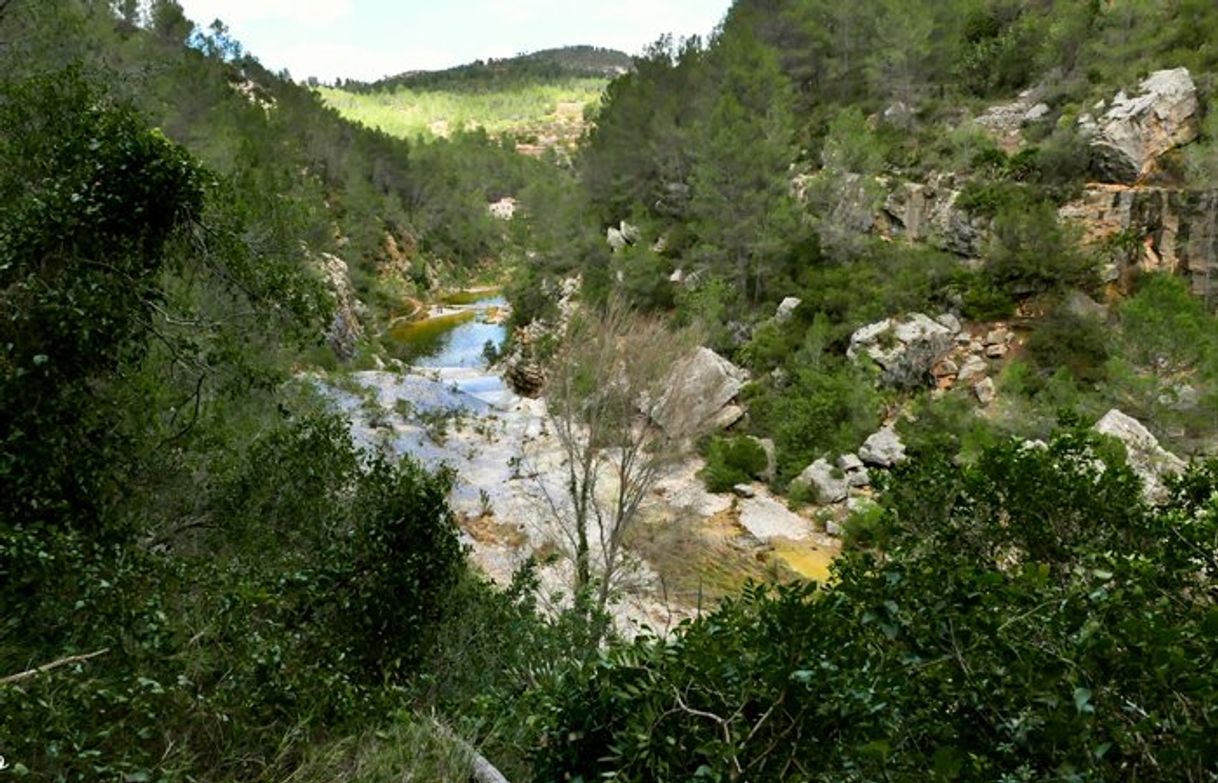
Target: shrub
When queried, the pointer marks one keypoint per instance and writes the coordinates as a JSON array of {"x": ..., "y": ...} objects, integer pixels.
[
  {"x": 948, "y": 426},
  {"x": 1031, "y": 253},
  {"x": 1077, "y": 344},
  {"x": 818, "y": 410},
  {"x": 731, "y": 461},
  {"x": 989, "y": 640},
  {"x": 984, "y": 301},
  {"x": 988, "y": 198},
  {"x": 1165, "y": 327},
  {"x": 864, "y": 527}
]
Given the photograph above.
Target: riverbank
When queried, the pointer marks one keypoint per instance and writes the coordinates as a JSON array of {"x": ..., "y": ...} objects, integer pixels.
[{"x": 690, "y": 548}]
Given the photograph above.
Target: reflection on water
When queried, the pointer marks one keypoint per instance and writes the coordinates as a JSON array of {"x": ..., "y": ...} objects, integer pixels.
[{"x": 454, "y": 340}]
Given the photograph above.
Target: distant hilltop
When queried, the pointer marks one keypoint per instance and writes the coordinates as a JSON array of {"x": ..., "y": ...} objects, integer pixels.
[{"x": 545, "y": 65}]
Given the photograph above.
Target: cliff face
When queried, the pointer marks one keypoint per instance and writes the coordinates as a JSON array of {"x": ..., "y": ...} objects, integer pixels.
[{"x": 1168, "y": 230}]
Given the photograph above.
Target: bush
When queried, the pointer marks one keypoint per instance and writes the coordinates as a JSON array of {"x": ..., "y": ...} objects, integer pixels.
[
  {"x": 948, "y": 426},
  {"x": 1165, "y": 327},
  {"x": 988, "y": 198},
  {"x": 818, "y": 410},
  {"x": 319, "y": 578},
  {"x": 731, "y": 461},
  {"x": 984, "y": 301},
  {"x": 1031, "y": 253},
  {"x": 864, "y": 527},
  {"x": 1077, "y": 344},
  {"x": 990, "y": 640}
]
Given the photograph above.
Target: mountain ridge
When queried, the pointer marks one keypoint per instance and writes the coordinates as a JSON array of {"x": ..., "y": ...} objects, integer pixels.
[{"x": 581, "y": 60}]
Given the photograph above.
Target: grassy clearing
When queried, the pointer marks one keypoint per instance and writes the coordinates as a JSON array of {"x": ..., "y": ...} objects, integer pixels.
[
  {"x": 413, "y": 748},
  {"x": 701, "y": 561},
  {"x": 526, "y": 110}
]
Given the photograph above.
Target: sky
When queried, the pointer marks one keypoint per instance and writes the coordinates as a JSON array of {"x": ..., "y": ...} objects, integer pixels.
[{"x": 367, "y": 39}]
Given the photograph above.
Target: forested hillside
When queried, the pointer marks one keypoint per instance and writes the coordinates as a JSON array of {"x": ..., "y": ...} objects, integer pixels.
[
  {"x": 863, "y": 420},
  {"x": 535, "y": 101},
  {"x": 945, "y": 239},
  {"x": 183, "y": 233},
  {"x": 546, "y": 65}
]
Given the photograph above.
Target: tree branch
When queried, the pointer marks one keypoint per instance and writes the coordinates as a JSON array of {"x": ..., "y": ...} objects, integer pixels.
[
  {"x": 483, "y": 771},
  {"x": 46, "y": 667}
]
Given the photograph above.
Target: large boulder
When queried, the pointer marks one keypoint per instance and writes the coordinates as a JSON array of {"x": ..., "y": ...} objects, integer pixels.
[
  {"x": 906, "y": 349},
  {"x": 345, "y": 329},
  {"x": 1136, "y": 130},
  {"x": 826, "y": 484},
  {"x": 699, "y": 395},
  {"x": 884, "y": 449},
  {"x": 1150, "y": 461},
  {"x": 786, "y": 309}
]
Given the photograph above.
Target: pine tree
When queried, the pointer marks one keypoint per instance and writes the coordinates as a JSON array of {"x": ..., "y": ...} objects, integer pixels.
[{"x": 742, "y": 211}]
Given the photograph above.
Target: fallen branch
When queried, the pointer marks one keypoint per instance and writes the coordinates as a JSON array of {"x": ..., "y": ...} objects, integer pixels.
[
  {"x": 483, "y": 771},
  {"x": 46, "y": 667}
]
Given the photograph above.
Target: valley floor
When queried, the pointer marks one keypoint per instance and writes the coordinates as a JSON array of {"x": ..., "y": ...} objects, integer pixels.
[{"x": 690, "y": 548}]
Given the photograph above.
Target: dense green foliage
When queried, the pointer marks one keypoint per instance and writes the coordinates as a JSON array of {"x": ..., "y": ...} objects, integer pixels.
[
  {"x": 732, "y": 461},
  {"x": 538, "y": 98},
  {"x": 256, "y": 599},
  {"x": 1030, "y": 618},
  {"x": 522, "y": 111},
  {"x": 295, "y": 578},
  {"x": 247, "y": 588},
  {"x": 547, "y": 65}
]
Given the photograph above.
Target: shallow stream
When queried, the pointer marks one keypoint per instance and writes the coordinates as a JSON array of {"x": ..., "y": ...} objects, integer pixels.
[{"x": 456, "y": 338}]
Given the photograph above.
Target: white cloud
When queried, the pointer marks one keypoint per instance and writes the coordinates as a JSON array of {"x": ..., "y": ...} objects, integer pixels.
[
  {"x": 330, "y": 60},
  {"x": 235, "y": 13}
]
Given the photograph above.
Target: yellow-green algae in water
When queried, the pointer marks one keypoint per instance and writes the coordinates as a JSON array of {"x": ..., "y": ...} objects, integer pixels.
[
  {"x": 471, "y": 296},
  {"x": 429, "y": 328},
  {"x": 805, "y": 558},
  {"x": 414, "y": 339}
]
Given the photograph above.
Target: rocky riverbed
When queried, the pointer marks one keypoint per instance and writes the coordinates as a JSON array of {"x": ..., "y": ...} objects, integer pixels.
[{"x": 689, "y": 547}]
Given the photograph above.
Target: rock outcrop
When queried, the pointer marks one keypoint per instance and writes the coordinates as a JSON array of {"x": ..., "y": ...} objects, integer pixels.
[
  {"x": 503, "y": 209},
  {"x": 1135, "y": 131},
  {"x": 927, "y": 212},
  {"x": 1176, "y": 231},
  {"x": 857, "y": 475},
  {"x": 1150, "y": 461},
  {"x": 906, "y": 349},
  {"x": 523, "y": 368},
  {"x": 786, "y": 308},
  {"x": 851, "y": 206},
  {"x": 700, "y": 396},
  {"x": 621, "y": 236},
  {"x": 1004, "y": 122},
  {"x": 346, "y": 328},
  {"x": 884, "y": 449}
]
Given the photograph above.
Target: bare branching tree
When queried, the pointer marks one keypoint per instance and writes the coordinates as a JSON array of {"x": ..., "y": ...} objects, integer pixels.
[{"x": 604, "y": 382}]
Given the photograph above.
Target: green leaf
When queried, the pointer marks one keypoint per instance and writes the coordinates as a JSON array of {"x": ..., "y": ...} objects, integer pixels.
[{"x": 1082, "y": 700}]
